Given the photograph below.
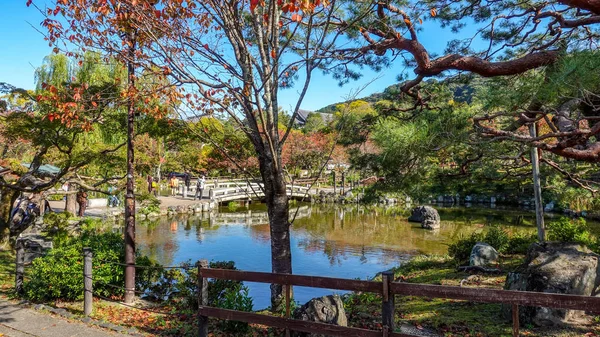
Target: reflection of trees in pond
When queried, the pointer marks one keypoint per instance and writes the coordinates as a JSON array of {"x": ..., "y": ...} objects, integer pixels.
[
  {"x": 337, "y": 252},
  {"x": 260, "y": 233},
  {"x": 354, "y": 227},
  {"x": 159, "y": 238}
]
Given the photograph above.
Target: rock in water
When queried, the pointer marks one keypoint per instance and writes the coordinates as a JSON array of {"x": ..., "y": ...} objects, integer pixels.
[
  {"x": 326, "y": 309},
  {"x": 483, "y": 255},
  {"x": 558, "y": 268},
  {"x": 427, "y": 216}
]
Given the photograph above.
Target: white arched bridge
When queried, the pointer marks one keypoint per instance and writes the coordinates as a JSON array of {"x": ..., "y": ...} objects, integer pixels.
[{"x": 243, "y": 190}]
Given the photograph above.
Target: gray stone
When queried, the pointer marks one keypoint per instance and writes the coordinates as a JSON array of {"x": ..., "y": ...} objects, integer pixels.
[
  {"x": 427, "y": 216},
  {"x": 326, "y": 309},
  {"x": 558, "y": 268},
  {"x": 483, "y": 254}
]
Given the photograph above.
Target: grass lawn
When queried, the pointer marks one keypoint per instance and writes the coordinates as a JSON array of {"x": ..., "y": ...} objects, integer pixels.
[{"x": 450, "y": 317}]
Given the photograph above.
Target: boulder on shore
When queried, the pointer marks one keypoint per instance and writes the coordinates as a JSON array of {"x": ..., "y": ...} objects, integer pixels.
[
  {"x": 557, "y": 268},
  {"x": 483, "y": 255},
  {"x": 427, "y": 216},
  {"x": 326, "y": 309}
]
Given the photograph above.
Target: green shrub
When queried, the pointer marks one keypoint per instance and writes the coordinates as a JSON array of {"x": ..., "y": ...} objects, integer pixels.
[
  {"x": 235, "y": 298},
  {"x": 57, "y": 225},
  {"x": 179, "y": 286},
  {"x": 497, "y": 238},
  {"x": 571, "y": 230},
  {"x": 59, "y": 274},
  {"x": 460, "y": 250},
  {"x": 233, "y": 206},
  {"x": 519, "y": 243},
  {"x": 148, "y": 203}
]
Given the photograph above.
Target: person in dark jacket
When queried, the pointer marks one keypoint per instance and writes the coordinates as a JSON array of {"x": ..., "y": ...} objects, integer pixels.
[
  {"x": 149, "y": 180},
  {"x": 81, "y": 199}
]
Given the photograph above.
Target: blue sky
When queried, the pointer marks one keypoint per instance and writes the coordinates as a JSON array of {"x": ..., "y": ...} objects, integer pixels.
[{"x": 22, "y": 49}]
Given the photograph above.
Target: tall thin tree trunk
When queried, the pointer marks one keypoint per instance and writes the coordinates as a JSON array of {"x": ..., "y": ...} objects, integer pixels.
[
  {"x": 537, "y": 187},
  {"x": 279, "y": 225},
  {"x": 130, "y": 189}
]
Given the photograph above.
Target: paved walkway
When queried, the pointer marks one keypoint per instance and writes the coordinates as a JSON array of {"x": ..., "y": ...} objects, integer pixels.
[
  {"x": 165, "y": 202},
  {"x": 17, "y": 321}
]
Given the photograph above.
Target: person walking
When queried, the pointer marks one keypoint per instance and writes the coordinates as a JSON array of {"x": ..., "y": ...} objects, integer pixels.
[
  {"x": 174, "y": 185},
  {"x": 200, "y": 187},
  {"x": 82, "y": 201},
  {"x": 187, "y": 181},
  {"x": 149, "y": 180},
  {"x": 155, "y": 187}
]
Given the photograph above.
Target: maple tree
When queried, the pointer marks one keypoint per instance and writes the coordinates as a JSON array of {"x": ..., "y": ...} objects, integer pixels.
[
  {"x": 111, "y": 28},
  {"x": 41, "y": 120}
]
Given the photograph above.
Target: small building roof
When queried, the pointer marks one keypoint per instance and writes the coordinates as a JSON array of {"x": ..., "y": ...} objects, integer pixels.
[
  {"x": 302, "y": 116},
  {"x": 45, "y": 169}
]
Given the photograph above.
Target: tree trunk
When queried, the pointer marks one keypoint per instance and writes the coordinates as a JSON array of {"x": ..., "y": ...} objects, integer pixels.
[
  {"x": 71, "y": 203},
  {"x": 537, "y": 187},
  {"x": 279, "y": 225},
  {"x": 130, "y": 190},
  {"x": 7, "y": 200}
]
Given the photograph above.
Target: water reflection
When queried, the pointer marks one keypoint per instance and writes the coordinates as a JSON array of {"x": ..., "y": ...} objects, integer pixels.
[{"x": 327, "y": 240}]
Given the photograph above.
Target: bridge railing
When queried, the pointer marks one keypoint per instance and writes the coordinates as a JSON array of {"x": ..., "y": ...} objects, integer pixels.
[{"x": 251, "y": 190}]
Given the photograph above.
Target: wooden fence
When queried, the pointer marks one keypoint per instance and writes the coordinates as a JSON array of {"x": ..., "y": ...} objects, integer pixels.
[{"x": 387, "y": 288}]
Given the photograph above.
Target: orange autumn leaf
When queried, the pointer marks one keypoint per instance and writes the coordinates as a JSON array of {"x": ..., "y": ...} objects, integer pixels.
[
  {"x": 296, "y": 17},
  {"x": 433, "y": 12}
]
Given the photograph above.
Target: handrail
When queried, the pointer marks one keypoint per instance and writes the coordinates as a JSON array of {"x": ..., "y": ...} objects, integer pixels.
[
  {"x": 527, "y": 298},
  {"x": 386, "y": 288},
  {"x": 290, "y": 279}
]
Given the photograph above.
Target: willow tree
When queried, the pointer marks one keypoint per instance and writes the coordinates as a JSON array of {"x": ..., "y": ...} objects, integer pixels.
[{"x": 61, "y": 123}]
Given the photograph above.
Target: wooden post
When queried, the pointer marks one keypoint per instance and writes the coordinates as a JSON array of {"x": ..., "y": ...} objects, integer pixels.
[
  {"x": 388, "y": 305},
  {"x": 202, "y": 299},
  {"x": 288, "y": 295},
  {"x": 515, "y": 318},
  {"x": 20, "y": 266},
  {"x": 87, "y": 281},
  {"x": 333, "y": 173}
]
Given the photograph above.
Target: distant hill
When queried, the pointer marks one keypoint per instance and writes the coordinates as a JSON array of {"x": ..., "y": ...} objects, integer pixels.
[
  {"x": 373, "y": 98},
  {"x": 462, "y": 93}
]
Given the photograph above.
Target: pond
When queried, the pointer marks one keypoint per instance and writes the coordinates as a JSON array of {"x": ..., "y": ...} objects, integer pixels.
[{"x": 327, "y": 240}]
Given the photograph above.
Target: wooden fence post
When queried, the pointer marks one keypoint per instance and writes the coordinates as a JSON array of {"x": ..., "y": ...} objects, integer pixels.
[
  {"x": 515, "y": 318},
  {"x": 87, "y": 281},
  {"x": 388, "y": 304},
  {"x": 20, "y": 266},
  {"x": 202, "y": 299},
  {"x": 288, "y": 297}
]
